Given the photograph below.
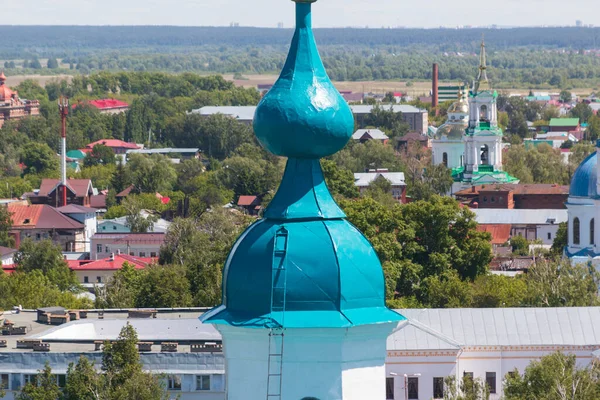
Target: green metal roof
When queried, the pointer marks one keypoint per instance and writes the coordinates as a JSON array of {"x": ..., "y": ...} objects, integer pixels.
[
  {"x": 564, "y": 122},
  {"x": 76, "y": 154}
]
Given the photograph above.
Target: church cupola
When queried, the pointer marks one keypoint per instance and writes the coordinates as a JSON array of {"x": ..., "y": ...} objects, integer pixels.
[{"x": 303, "y": 275}]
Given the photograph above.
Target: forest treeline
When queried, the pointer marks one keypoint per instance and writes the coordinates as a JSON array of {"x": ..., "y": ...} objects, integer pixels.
[{"x": 520, "y": 57}]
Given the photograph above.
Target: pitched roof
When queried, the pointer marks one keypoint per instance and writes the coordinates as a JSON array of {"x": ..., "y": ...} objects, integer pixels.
[
  {"x": 364, "y": 179},
  {"x": 500, "y": 232},
  {"x": 246, "y": 200},
  {"x": 40, "y": 216},
  {"x": 131, "y": 238},
  {"x": 80, "y": 187},
  {"x": 107, "y": 104},
  {"x": 578, "y": 326},
  {"x": 519, "y": 216},
  {"x": 518, "y": 189},
  {"x": 564, "y": 122},
  {"x": 125, "y": 192},
  {"x": 76, "y": 209},
  {"x": 108, "y": 264},
  {"x": 5, "y": 251},
  {"x": 98, "y": 201},
  {"x": 113, "y": 143},
  {"x": 416, "y": 136},
  {"x": 369, "y": 133}
]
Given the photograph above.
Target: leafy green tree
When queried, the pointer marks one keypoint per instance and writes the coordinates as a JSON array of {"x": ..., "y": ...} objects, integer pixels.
[
  {"x": 592, "y": 131},
  {"x": 493, "y": 291},
  {"x": 44, "y": 387},
  {"x": 6, "y": 239},
  {"x": 39, "y": 158},
  {"x": 164, "y": 287},
  {"x": 339, "y": 181},
  {"x": 582, "y": 111},
  {"x": 122, "y": 290},
  {"x": 390, "y": 121},
  {"x": 468, "y": 389},
  {"x": 434, "y": 180},
  {"x": 565, "y": 96},
  {"x": 446, "y": 290},
  {"x": 100, "y": 155},
  {"x": 47, "y": 258},
  {"x": 121, "y": 178},
  {"x": 520, "y": 245},
  {"x": 245, "y": 176},
  {"x": 83, "y": 382},
  {"x": 52, "y": 63},
  {"x": 560, "y": 284},
  {"x": 555, "y": 377},
  {"x": 135, "y": 219},
  {"x": 151, "y": 174},
  {"x": 561, "y": 240},
  {"x": 360, "y": 157}
]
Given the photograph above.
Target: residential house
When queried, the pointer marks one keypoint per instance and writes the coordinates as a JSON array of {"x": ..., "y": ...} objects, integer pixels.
[
  {"x": 40, "y": 222},
  {"x": 251, "y": 204},
  {"x": 570, "y": 125},
  {"x": 517, "y": 196},
  {"x": 94, "y": 272},
  {"x": 532, "y": 224},
  {"x": 79, "y": 192},
  {"x": 7, "y": 255},
  {"x": 396, "y": 179},
  {"x": 500, "y": 234},
  {"x": 109, "y": 106},
  {"x": 364, "y": 135},
  {"x": 404, "y": 142},
  {"x": 119, "y": 225},
  {"x": 118, "y": 146},
  {"x": 134, "y": 244},
  {"x": 85, "y": 215}
]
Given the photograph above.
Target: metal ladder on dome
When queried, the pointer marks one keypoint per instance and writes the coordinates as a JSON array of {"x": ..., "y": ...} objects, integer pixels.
[{"x": 278, "y": 297}]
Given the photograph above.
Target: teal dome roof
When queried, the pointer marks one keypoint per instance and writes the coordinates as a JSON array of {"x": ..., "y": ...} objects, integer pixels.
[
  {"x": 583, "y": 183},
  {"x": 303, "y": 265},
  {"x": 303, "y": 115}
]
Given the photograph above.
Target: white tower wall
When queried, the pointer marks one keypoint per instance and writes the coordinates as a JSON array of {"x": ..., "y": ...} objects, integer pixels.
[
  {"x": 455, "y": 150},
  {"x": 324, "y": 363}
]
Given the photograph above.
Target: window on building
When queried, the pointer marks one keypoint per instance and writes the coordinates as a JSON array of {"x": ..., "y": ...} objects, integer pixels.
[
  {"x": 493, "y": 199},
  {"x": 99, "y": 279},
  {"x": 485, "y": 199},
  {"x": 86, "y": 279},
  {"x": 549, "y": 236},
  {"x": 107, "y": 249},
  {"x": 389, "y": 388},
  {"x": 445, "y": 159},
  {"x": 4, "y": 381},
  {"x": 98, "y": 248},
  {"x": 114, "y": 227},
  {"x": 131, "y": 253},
  {"x": 142, "y": 254},
  {"x": 438, "y": 388},
  {"x": 500, "y": 199},
  {"x": 61, "y": 380},
  {"x": 29, "y": 378},
  {"x": 202, "y": 382},
  {"x": 490, "y": 380},
  {"x": 592, "y": 230},
  {"x": 174, "y": 382},
  {"x": 153, "y": 254},
  {"x": 576, "y": 231},
  {"x": 413, "y": 388}
]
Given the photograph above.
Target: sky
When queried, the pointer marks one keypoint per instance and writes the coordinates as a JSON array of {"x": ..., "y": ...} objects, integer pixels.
[{"x": 327, "y": 13}]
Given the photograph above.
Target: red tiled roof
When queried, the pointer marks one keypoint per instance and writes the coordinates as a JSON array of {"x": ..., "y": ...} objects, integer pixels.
[
  {"x": 500, "y": 232},
  {"x": 98, "y": 201},
  {"x": 40, "y": 216},
  {"x": 81, "y": 187},
  {"x": 518, "y": 189},
  {"x": 108, "y": 265},
  {"x": 125, "y": 192},
  {"x": 107, "y": 104},
  {"x": 114, "y": 143},
  {"x": 245, "y": 201}
]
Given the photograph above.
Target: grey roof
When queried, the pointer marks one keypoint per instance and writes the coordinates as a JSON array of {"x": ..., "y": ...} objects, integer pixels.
[
  {"x": 363, "y": 179},
  {"x": 519, "y": 216},
  {"x": 165, "y": 150},
  {"x": 5, "y": 251},
  {"x": 76, "y": 209},
  {"x": 373, "y": 133},
  {"x": 148, "y": 330},
  {"x": 568, "y": 326},
  {"x": 403, "y": 108}
]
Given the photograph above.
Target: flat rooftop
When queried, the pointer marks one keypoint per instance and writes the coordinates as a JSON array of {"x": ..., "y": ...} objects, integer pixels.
[{"x": 182, "y": 327}]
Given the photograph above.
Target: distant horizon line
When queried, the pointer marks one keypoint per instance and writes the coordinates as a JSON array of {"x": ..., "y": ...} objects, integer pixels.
[{"x": 366, "y": 27}]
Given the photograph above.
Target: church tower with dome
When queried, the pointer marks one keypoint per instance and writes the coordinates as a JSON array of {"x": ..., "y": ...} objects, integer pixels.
[
  {"x": 474, "y": 155},
  {"x": 303, "y": 313},
  {"x": 584, "y": 211},
  {"x": 12, "y": 106}
]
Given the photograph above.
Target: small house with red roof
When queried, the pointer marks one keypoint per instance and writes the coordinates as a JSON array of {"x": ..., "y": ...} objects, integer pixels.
[
  {"x": 79, "y": 192},
  {"x": 251, "y": 204},
  {"x": 41, "y": 222},
  {"x": 109, "y": 106},
  {"x": 134, "y": 244},
  {"x": 98, "y": 272},
  {"x": 118, "y": 146}
]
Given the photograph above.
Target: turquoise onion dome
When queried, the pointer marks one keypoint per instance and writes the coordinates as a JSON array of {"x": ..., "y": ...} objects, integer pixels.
[
  {"x": 302, "y": 265},
  {"x": 303, "y": 115},
  {"x": 583, "y": 183}
]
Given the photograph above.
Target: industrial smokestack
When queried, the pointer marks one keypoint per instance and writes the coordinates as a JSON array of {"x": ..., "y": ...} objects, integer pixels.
[
  {"x": 434, "y": 89},
  {"x": 63, "y": 108}
]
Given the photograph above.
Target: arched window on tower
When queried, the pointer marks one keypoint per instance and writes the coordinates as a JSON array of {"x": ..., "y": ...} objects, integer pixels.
[
  {"x": 592, "y": 231},
  {"x": 483, "y": 113},
  {"x": 485, "y": 155},
  {"x": 445, "y": 159},
  {"x": 576, "y": 231}
]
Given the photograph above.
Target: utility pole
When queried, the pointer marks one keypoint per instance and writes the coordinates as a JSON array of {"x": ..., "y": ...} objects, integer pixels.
[{"x": 63, "y": 109}]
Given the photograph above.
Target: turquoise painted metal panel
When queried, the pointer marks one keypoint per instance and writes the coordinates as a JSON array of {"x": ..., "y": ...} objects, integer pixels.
[
  {"x": 583, "y": 183},
  {"x": 303, "y": 115},
  {"x": 304, "y": 265}
]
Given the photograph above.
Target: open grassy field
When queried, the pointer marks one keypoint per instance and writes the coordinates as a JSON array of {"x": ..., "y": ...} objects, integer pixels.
[{"x": 14, "y": 80}]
